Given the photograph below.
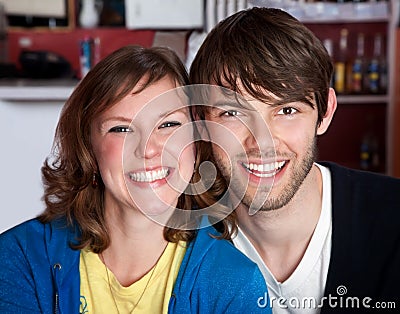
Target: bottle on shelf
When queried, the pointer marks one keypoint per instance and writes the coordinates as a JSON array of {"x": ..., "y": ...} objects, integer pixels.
[
  {"x": 358, "y": 67},
  {"x": 377, "y": 69},
  {"x": 369, "y": 158},
  {"x": 383, "y": 73},
  {"x": 328, "y": 43},
  {"x": 341, "y": 64},
  {"x": 86, "y": 54},
  {"x": 369, "y": 148}
]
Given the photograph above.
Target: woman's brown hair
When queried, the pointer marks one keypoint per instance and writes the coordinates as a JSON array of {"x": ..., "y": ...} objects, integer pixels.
[{"x": 68, "y": 174}]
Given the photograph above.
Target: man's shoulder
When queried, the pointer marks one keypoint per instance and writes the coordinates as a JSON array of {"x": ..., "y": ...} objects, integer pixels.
[
  {"x": 360, "y": 178},
  {"x": 364, "y": 196},
  {"x": 365, "y": 215}
]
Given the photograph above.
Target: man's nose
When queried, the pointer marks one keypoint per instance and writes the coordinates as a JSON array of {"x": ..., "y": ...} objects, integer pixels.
[{"x": 259, "y": 133}]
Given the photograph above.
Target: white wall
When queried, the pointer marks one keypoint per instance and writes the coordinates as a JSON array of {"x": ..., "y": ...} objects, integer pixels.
[{"x": 26, "y": 137}]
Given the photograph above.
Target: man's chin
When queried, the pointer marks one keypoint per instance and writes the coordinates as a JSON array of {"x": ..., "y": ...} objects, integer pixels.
[
  {"x": 267, "y": 201},
  {"x": 263, "y": 207}
]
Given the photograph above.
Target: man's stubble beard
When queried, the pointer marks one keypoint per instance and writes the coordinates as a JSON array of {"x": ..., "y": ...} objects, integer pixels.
[{"x": 262, "y": 201}]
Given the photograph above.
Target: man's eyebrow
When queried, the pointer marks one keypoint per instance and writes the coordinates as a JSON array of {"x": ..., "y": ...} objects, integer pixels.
[{"x": 232, "y": 104}]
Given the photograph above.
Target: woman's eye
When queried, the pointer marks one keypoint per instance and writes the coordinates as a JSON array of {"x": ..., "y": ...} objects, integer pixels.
[
  {"x": 120, "y": 129},
  {"x": 287, "y": 111},
  {"x": 169, "y": 124}
]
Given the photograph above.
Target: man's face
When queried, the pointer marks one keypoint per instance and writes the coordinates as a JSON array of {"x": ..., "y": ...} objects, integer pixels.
[{"x": 264, "y": 151}]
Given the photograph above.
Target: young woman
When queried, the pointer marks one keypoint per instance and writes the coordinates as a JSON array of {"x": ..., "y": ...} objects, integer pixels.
[{"x": 123, "y": 155}]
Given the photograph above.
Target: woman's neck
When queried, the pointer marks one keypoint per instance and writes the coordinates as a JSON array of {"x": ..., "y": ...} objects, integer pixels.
[{"x": 136, "y": 244}]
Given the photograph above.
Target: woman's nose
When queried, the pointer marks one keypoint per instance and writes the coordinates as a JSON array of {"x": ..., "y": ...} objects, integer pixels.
[{"x": 149, "y": 147}]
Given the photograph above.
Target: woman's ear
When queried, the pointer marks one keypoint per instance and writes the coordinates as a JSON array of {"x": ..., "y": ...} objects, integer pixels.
[{"x": 330, "y": 111}]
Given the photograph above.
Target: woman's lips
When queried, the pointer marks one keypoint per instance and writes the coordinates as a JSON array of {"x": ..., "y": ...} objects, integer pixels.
[{"x": 149, "y": 175}]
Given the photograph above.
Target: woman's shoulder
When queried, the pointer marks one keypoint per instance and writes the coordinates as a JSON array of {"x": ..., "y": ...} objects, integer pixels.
[
  {"x": 17, "y": 245},
  {"x": 220, "y": 252},
  {"x": 20, "y": 231},
  {"x": 217, "y": 263},
  {"x": 34, "y": 233}
]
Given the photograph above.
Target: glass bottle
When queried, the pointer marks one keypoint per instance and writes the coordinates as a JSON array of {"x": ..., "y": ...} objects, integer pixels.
[
  {"x": 341, "y": 63},
  {"x": 358, "y": 68},
  {"x": 374, "y": 67}
]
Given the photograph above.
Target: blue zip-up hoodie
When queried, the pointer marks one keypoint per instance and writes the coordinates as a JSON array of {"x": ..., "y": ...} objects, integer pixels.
[{"x": 39, "y": 273}]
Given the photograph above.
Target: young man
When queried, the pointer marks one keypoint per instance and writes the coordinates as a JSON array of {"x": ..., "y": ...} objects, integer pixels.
[{"x": 324, "y": 236}]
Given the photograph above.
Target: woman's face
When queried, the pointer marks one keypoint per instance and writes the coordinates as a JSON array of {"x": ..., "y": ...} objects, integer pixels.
[{"x": 144, "y": 149}]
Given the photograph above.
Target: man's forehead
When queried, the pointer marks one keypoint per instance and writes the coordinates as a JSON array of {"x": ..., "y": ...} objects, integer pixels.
[{"x": 222, "y": 97}]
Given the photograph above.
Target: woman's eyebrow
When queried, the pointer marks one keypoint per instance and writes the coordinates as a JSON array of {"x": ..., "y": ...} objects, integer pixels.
[
  {"x": 117, "y": 118},
  {"x": 183, "y": 109}
]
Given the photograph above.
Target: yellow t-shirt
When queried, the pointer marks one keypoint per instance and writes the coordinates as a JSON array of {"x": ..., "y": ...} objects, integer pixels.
[{"x": 150, "y": 294}]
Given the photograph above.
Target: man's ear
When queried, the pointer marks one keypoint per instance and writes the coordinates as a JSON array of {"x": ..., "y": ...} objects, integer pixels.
[{"x": 330, "y": 111}]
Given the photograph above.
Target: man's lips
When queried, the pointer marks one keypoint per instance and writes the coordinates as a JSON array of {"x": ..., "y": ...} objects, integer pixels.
[{"x": 266, "y": 170}]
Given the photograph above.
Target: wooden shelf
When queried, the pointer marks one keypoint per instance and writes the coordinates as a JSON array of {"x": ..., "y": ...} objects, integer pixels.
[
  {"x": 322, "y": 12},
  {"x": 362, "y": 99}
]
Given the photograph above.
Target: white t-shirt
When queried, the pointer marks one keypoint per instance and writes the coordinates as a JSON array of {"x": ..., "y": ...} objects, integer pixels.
[{"x": 303, "y": 290}]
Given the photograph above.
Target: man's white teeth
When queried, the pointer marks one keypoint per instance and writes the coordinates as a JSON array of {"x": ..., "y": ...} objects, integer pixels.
[
  {"x": 264, "y": 170},
  {"x": 149, "y": 176}
]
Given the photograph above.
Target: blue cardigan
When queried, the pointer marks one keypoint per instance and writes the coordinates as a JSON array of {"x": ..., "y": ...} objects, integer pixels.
[{"x": 39, "y": 273}]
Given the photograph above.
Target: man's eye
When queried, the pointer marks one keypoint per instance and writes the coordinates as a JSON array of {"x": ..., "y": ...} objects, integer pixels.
[
  {"x": 169, "y": 124},
  {"x": 120, "y": 129},
  {"x": 287, "y": 111},
  {"x": 230, "y": 113}
]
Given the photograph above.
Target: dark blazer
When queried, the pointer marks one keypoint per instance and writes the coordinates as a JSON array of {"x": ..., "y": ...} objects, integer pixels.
[{"x": 364, "y": 270}]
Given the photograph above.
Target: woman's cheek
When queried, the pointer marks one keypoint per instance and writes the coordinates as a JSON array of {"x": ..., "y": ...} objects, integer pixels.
[{"x": 110, "y": 154}]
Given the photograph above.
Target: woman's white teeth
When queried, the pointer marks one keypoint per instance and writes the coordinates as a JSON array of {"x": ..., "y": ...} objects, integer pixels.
[
  {"x": 149, "y": 176},
  {"x": 264, "y": 170}
]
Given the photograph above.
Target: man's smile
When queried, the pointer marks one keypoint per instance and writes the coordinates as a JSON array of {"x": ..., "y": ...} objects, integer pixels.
[{"x": 264, "y": 170}]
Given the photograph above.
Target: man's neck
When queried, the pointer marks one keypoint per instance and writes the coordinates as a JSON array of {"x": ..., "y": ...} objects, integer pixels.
[{"x": 281, "y": 236}]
